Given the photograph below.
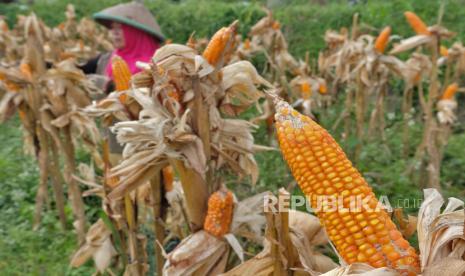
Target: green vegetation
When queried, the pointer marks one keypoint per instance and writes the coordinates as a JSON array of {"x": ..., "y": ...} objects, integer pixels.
[{"x": 304, "y": 23}]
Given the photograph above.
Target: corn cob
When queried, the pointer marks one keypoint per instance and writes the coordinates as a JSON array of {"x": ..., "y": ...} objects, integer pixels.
[
  {"x": 219, "y": 214},
  {"x": 416, "y": 23},
  {"x": 450, "y": 91},
  {"x": 175, "y": 95},
  {"x": 168, "y": 177},
  {"x": 322, "y": 169},
  {"x": 121, "y": 76},
  {"x": 382, "y": 40},
  {"x": 26, "y": 70},
  {"x": 218, "y": 43},
  {"x": 305, "y": 90},
  {"x": 322, "y": 89},
  {"x": 444, "y": 51},
  {"x": 276, "y": 25},
  {"x": 247, "y": 44}
]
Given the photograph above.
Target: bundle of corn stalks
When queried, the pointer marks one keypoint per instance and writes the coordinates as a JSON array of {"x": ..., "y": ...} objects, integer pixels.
[
  {"x": 80, "y": 40},
  {"x": 206, "y": 252},
  {"x": 428, "y": 155},
  {"x": 49, "y": 103},
  {"x": 360, "y": 64},
  {"x": 180, "y": 100}
]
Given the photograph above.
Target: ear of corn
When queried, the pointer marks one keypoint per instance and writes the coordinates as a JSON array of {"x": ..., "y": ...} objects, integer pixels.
[
  {"x": 444, "y": 51},
  {"x": 322, "y": 89},
  {"x": 305, "y": 90},
  {"x": 322, "y": 169},
  {"x": 382, "y": 40},
  {"x": 416, "y": 23},
  {"x": 276, "y": 25},
  {"x": 450, "y": 91},
  {"x": 121, "y": 76},
  {"x": 26, "y": 70},
  {"x": 219, "y": 214},
  {"x": 168, "y": 178},
  {"x": 247, "y": 44},
  {"x": 218, "y": 43}
]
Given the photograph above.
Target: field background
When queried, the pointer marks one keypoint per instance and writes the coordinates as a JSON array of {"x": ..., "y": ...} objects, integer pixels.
[{"x": 47, "y": 250}]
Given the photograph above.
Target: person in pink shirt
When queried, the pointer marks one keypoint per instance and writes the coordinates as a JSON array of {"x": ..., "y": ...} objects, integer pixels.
[{"x": 135, "y": 35}]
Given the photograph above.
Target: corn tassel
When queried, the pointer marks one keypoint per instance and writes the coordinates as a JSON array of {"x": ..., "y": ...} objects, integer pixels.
[
  {"x": 219, "y": 214},
  {"x": 417, "y": 24},
  {"x": 121, "y": 76},
  {"x": 322, "y": 169},
  {"x": 218, "y": 43},
  {"x": 450, "y": 91},
  {"x": 382, "y": 40}
]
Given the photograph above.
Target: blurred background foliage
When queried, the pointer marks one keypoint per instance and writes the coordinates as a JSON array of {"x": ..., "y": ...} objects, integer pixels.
[{"x": 304, "y": 21}]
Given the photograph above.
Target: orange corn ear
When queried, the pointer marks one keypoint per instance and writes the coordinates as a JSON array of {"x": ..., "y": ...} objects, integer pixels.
[
  {"x": 323, "y": 89},
  {"x": 382, "y": 40},
  {"x": 276, "y": 25},
  {"x": 444, "y": 51},
  {"x": 416, "y": 23},
  {"x": 218, "y": 43},
  {"x": 121, "y": 75},
  {"x": 305, "y": 90},
  {"x": 168, "y": 178},
  {"x": 219, "y": 214},
  {"x": 176, "y": 95},
  {"x": 247, "y": 44},
  {"x": 322, "y": 169},
  {"x": 450, "y": 91},
  {"x": 26, "y": 70}
]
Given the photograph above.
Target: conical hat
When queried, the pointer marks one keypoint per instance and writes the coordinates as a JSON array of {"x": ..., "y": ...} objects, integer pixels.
[{"x": 134, "y": 14}]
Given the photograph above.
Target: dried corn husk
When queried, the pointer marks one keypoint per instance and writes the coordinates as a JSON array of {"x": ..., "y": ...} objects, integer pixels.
[{"x": 440, "y": 235}]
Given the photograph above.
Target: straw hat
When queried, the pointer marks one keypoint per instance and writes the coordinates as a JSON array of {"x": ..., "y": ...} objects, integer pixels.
[{"x": 133, "y": 14}]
